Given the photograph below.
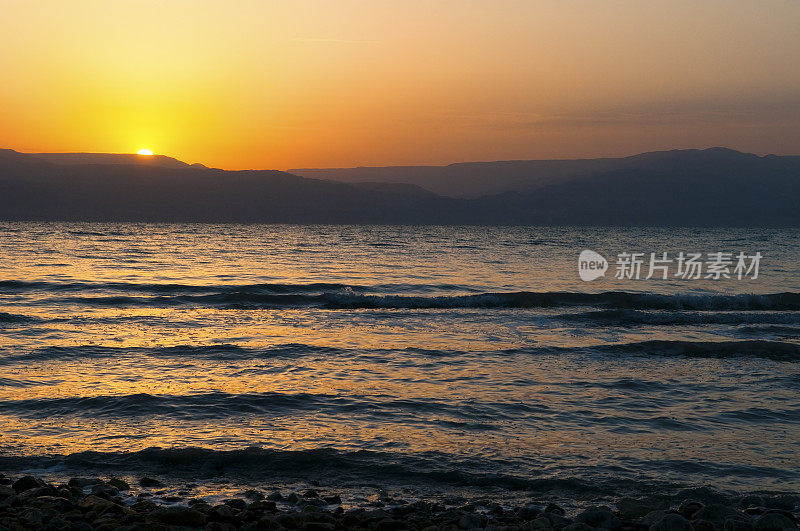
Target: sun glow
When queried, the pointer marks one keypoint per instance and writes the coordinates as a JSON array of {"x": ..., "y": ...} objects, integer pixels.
[{"x": 144, "y": 152}]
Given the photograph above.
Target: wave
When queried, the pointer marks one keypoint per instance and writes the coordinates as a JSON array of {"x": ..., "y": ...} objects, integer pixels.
[
  {"x": 13, "y": 382},
  {"x": 16, "y": 286},
  {"x": 385, "y": 296},
  {"x": 327, "y": 464},
  {"x": 755, "y": 348},
  {"x": 348, "y": 298},
  {"x": 219, "y": 352},
  {"x": 628, "y": 317},
  {"x": 773, "y": 350},
  {"x": 216, "y": 405},
  {"x": 770, "y": 329},
  {"x": 21, "y": 286},
  {"x": 332, "y": 466},
  {"x": 14, "y": 318}
]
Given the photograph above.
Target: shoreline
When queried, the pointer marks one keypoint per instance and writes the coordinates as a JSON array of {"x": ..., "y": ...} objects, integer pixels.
[{"x": 29, "y": 502}]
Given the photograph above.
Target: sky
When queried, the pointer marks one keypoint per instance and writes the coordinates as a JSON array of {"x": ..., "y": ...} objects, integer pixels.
[{"x": 340, "y": 83}]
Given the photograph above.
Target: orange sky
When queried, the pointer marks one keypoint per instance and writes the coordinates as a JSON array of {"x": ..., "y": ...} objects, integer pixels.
[{"x": 262, "y": 84}]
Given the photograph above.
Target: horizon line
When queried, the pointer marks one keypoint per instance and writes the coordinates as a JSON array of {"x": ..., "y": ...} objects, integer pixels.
[{"x": 389, "y": 165}]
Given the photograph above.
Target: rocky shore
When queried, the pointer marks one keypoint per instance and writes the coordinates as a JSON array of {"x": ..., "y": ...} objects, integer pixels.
[{"x": 88, "y": 504}]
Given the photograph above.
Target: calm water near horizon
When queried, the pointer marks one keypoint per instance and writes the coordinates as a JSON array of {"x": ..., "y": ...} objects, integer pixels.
[{"x": 437, "y": 358}]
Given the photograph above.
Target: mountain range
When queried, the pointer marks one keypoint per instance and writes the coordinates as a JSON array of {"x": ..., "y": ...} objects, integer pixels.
[{"x": 710, "y": 187}]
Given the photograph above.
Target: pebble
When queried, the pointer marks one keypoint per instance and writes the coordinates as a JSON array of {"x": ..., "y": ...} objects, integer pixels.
[{"x": 30, "y": 503}]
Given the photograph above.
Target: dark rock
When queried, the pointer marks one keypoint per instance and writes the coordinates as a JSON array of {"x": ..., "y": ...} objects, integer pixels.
[
  {"x": 785, "y": 502},
  {"x": 580, "y": 526},
  {"x": 599, "y": 517},
  {"x": 119, "y": 484},
  {"x": 222, "y": 513},
  {"x": 275, "y": 496},
  {"x": 470, "y": 521},
  {"x": 390, "y": 525},
  {"x": 703, "y": 525},
  {"x": 542, "y": 522},
  {"x": 633, "y": 508},
  {"x": 706, "y": 495},
  {"x": 293, "y": 498},
  {"x": 236, "y": 503},
  {"x": 737, "y": 523},
  {"x": 318, "y": 526},
  {"x": 47, "y": 490},
  {"x": 27, "y": 482},
  {"x": 65, "y": 492},
  {"x": 716, "y": 513},
  {"x": 687, "y": 508},
  {"x": 773, "y": 521},
  {"x": 553, "y": 508},
  {"x": 313, "y": 502},
  {"x": 672, "y": 522},
  {"x": 180, "y": 516},
  {"x": 150, "y": 482},
  {"x": 530, "y": 513},
  {"x": 96, "y": 503},
  {"x": 263, "y": 505},
  {"x": 104, "y": 491},
  {"x": 144, "y": 506},
  {"x": 311, "y": 493},
  {"x": 253, "y": 494},
  {"x": 102, "y": 506},
  {"x": 288, "y": 521},
  {"x": 83, "y": 482},
  {"x": 559, "y": 521},
  {"x": 268, "y": 523},
  {"x": 54, "y": 503},
  {"x": 751, "y": 500},
  {"x": 333, "y": 500},
  {"x": 651, "y": 518}
]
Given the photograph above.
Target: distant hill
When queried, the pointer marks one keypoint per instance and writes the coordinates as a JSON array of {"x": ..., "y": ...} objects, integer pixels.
[
  {"x": 713, "y": 187},
  {"x": 113, "y": 158},
  {"x": 469, "y": 179},
  {"x": 33, "y": 189},
  {"x": 476, "y": 179}
]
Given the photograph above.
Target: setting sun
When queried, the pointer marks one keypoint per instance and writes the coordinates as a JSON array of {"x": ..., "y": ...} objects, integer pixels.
[{"x": 144, "y": 152}]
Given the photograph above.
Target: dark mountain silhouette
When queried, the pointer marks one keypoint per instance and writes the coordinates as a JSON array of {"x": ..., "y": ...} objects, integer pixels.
[
  {"x": 469, "y": 179},
  {"x": 113, "y": 158},
  {"x": 32, "y": 189},
  {"x": 713, "y": 187},
  {"x": 476, "y": 179}
]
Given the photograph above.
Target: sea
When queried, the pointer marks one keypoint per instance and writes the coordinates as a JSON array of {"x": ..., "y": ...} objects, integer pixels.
[{"x": 453, "y": 362}]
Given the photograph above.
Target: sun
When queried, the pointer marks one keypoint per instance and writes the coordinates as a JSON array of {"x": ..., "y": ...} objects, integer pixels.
[{"x": 144, "y": 152}]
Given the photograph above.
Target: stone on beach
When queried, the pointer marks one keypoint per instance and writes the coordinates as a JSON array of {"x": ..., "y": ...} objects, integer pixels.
[
  {"x": 773, "y": 521},
  {"x": 672, "y": 522},
  {"x": 27, "y": 482},
  {"x": 31, "y": 505}
]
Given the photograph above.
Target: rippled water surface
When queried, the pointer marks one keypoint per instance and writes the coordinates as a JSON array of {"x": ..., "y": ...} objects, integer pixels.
[{"x": 438, "y": 356}]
